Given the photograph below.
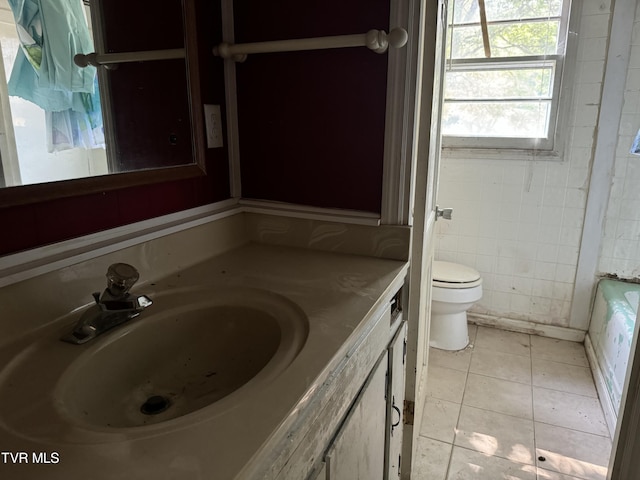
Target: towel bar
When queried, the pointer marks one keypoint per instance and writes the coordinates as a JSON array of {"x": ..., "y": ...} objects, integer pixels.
[
  {"x": 107, "y": 59},
  {"x": 376, "y": 40}
]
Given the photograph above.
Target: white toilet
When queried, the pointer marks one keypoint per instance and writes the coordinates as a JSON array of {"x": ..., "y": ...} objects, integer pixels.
[{"x": 455, "y": 289}]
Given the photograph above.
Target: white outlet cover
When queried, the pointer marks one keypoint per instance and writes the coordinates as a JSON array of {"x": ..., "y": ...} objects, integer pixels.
[{"x": 213, "y": 125}]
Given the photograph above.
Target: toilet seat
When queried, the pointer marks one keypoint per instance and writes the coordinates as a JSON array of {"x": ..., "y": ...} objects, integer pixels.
[{"x": 454, "y": 276}]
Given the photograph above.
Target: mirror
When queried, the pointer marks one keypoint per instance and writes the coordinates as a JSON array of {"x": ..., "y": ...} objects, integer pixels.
[{"x": 149, "y": 128}]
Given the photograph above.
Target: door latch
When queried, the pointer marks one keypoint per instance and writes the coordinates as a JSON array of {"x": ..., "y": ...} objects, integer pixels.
[{"x": 445, "y": 213}]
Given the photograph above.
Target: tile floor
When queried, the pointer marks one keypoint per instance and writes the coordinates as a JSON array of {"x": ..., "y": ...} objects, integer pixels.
[{"x": 496, "y": 409}]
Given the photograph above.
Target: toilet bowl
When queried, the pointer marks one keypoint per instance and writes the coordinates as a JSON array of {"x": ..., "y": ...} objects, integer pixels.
[{"x": 455, "y": 289}]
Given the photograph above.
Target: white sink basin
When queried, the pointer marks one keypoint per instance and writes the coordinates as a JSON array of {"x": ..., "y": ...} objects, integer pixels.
[{"x": 196, "y": 350}]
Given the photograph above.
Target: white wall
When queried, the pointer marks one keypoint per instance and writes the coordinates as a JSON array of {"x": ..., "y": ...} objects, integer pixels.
[
  {"x": 620, "y": 250},
  {"x": 519, "y": 221}
]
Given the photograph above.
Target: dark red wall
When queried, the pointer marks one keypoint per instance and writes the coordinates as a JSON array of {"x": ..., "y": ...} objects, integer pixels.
[
  {"x": 312, "y": 123},
  {"x": 154, "y": 129},
  {"x": 38, "y": 224}
]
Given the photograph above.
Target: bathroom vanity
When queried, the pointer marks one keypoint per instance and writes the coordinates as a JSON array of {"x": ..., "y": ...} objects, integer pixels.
[{"x": 328, "y": 402}]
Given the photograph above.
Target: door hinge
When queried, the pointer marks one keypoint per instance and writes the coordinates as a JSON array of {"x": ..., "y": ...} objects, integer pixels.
[{"x": 408, "y": 412}]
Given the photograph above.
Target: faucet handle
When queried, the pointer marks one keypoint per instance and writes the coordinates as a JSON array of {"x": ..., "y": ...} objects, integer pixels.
[{"x": 120, "y": 278}]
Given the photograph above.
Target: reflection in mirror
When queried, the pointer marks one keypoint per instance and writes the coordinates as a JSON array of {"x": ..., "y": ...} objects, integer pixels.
[
  {"x": 51, "y": 119},
  {"x": 141, "y": 120}
]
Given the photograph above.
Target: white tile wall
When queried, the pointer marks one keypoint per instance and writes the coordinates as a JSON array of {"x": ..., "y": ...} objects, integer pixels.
[
  {"x": 519, "y": 222},
  {"x": 620, "y": 251}
]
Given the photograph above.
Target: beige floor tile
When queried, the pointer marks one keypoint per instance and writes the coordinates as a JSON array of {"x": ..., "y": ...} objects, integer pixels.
[
  {"x": 458, "y": 360},
  {"x": 515, "y": 368},
  {"x": 432, "y": 459},
  {"x": 439, "y": 419},
  {"x": 558, "y": 351},
  {"x": 573, "y": 453},
  {"x": 445, "y": 383},
  {"x": 496, "y": 434},
  {"x": 502, "y": 341},
  {"x": 549, "y": 475},
  {"x": 569, "y": 410},
  {"x": 495, "y": 430},
  {"x": 498, "y": 395},
  {"x": 563, "y": 377},
  {"x": 470, "y": 465}
]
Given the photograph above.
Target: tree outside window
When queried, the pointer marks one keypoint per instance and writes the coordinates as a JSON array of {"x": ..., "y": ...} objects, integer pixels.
[{"x": 506, "y": 97}]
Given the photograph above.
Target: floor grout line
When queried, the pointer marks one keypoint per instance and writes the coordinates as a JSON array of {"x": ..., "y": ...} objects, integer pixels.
[
  {"x": 572, "y": 430},
  {"x": 564, "y": 391},
  {"x": 464, "y": 391},
  {"x": 533, "y": 416}
]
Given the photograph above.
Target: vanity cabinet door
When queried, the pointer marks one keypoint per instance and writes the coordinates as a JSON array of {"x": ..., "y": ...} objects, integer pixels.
[
  {"x": 357, "y": 452},
  {"x": 395, "y": 403}
]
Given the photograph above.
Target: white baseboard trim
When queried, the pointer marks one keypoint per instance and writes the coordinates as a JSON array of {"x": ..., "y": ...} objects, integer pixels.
[
  {"x": 610, "y": 413},
  {"x": 525, "y": 326}
]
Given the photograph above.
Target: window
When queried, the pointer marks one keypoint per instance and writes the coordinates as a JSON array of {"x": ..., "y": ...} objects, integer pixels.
[{"x": 502, "y": 75}]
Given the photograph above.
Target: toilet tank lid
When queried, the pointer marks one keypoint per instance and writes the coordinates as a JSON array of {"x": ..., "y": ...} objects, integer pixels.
[{"x": 454, "y": 272}]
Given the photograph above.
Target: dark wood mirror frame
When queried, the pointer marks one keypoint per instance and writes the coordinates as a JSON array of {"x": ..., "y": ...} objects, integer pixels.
[{"x": 26, "y": 194}]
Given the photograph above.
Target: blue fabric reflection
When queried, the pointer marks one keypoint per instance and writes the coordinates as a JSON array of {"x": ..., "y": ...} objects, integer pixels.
[{"x": 51, "y": 32}]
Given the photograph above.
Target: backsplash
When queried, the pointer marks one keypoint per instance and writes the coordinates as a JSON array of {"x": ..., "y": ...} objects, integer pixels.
[{"x": 383, "y": 241}]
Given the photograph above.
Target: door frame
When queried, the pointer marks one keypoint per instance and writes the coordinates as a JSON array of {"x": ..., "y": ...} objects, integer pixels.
[
  {"x": 416, "y": 197},
  {"x": 626, "y": 444}
]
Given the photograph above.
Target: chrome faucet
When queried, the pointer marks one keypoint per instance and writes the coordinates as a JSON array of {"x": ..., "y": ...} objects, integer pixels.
[{"x": 114, "y": 306}]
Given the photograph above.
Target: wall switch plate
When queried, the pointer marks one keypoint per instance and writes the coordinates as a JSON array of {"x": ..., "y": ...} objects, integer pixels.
[{"x": 213, "y": 125}]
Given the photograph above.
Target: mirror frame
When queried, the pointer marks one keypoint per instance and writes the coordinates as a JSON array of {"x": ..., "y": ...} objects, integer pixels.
[{"x": 40, "y": 192}]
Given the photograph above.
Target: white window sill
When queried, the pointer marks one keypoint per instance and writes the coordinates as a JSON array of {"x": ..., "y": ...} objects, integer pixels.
[{"x": 501, "y": 154}]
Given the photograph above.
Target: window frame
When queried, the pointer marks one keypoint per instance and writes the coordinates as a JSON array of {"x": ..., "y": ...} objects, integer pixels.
[{"x": 563, "y": 70}]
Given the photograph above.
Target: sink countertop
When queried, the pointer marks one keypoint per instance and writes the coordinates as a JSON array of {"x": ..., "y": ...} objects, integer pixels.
[{"x": 337, "y": 292}]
